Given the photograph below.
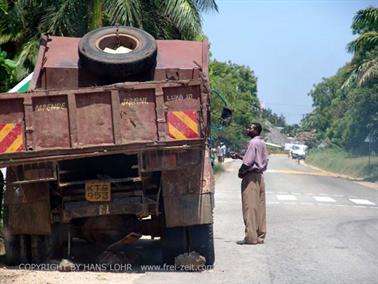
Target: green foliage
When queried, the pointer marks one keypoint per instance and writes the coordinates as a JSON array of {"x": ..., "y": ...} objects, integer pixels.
[
  {"x": 23, "y": 21},
  {"x": 7, "y": 67},
  {"x": 238, "y": 85},
  {"x": 291, "y": 130},
  {"x": 275, "y": 119},
  {"x": 346, "y": 104},
  {"x": 364, "y": 65}
]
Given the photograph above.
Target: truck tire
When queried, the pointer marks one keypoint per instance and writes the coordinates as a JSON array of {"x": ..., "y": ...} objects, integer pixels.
[
  {"x": 201, "y": 240},
  {"x": 109, "y": 65},
  {"x": 174, "y": 243},
  {"x": 11, "y": 243}
]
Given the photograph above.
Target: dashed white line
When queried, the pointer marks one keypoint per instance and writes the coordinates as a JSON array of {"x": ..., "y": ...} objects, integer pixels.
[
  {"x": 307, "y": 203},
  {"x": 361, "y": 201},
  {"x": 324, "y": 199},
  {"x": 286, "y": 197},
  {"x": 359, "y": 206},
  {"x": 273, "y": 202}
]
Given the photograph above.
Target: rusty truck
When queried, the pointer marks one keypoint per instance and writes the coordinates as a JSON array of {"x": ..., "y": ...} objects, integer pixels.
[{"x": 109, "y": 143}]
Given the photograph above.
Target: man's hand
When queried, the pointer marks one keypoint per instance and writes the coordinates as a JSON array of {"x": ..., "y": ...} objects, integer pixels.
[{"x": 235, "y": 155}]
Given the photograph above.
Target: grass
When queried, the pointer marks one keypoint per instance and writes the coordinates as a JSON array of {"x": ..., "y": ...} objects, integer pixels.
[{"x": 342, "y": 162}]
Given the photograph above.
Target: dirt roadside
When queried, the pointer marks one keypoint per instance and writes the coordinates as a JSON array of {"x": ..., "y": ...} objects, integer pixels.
[{"x": 15, "y": 275}]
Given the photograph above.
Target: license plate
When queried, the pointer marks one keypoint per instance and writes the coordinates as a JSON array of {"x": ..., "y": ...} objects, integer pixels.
[{"x": 98, "y": 191}]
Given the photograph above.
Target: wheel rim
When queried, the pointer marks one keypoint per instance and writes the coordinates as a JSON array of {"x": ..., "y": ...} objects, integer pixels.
[{"x": 117, "y": 43}]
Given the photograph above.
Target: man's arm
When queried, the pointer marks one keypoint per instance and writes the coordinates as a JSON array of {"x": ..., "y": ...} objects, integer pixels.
[{"x": 236, "y": 156}]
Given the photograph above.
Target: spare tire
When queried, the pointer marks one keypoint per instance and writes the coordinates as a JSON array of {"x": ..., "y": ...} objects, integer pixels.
[{"x": 115, "y": 52}]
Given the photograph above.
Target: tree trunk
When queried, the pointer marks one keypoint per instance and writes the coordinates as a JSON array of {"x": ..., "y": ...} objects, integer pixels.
[{"x": 95, "y": 14}]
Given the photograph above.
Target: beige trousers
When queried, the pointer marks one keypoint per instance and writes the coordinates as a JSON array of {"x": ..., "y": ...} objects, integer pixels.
[{"x": 254, "y": 210}]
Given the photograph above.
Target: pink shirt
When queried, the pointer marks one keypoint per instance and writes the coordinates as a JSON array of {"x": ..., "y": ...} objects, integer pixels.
[{"x": 256, "y": 156}]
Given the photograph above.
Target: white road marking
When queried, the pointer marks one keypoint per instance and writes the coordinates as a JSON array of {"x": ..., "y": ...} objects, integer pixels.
[
  {"x": 324, "y": 199},
  {"x": 337, "y": 195},
  {"x": 361, "y": 201},
  {"x": 273, "y": 202},
  {"x": 340, "y": 205},
  {"x": 286, "y": 197},
  {"x": 282, "y": 192},
  {"x": 289, "y": 203},
  {"x": 307, "y": 203},
  {"x": 359, "y": 206}
]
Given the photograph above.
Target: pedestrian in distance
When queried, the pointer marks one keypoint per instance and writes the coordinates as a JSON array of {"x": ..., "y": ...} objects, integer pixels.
[
  {"x": 224, "y": 150},
  {"x": 255, "y": 162},
  {"x": 220, "y": 153}
]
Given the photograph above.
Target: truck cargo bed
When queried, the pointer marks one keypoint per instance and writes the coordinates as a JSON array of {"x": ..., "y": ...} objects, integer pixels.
[{"x": 49, "y": 124}]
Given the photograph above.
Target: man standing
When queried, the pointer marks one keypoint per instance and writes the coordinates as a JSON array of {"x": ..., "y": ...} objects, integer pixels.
[
  {"x": 220, "y": 153},
  {"x": 224, "y": 150},
  {"x": 255, "y": 162}
]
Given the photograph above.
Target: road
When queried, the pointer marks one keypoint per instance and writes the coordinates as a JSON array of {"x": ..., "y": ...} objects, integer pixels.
[
  {"x": 316, "y": 234},
  {"x": 321, "y": 229}
]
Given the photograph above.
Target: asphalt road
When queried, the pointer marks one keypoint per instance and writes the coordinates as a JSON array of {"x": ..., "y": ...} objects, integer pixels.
[{"x": 321, "y": 229}]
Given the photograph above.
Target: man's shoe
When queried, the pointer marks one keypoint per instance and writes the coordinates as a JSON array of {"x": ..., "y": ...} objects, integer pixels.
[{"x": 243, "y": 242}]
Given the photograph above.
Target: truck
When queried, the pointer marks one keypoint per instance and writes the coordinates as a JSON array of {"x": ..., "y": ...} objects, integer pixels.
[{"x": 108, "y": 144}]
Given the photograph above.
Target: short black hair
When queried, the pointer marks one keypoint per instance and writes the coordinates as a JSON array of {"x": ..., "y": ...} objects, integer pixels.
[{"x": 258, "y": 127}]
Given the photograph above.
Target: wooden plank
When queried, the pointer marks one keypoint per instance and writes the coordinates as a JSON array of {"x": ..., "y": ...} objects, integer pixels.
[
  {"x": 28, "y": 112},
  {"x": 72, "y": 116},
  {"x": 116, "y": 117},
  {"x": 160, "y": 114}
]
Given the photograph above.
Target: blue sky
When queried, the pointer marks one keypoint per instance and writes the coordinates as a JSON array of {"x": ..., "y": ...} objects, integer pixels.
[{"x": 291, "y": 45}]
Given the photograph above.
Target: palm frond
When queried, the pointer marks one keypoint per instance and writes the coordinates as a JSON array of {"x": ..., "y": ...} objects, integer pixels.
[
  {"x": 183, "y": 14},
  {"x": 362, "y": 74},
  {"x": 367, "y": 71},
  {"x": 61, "y": 19},
  {"x": 365, "y": 20},
  {"x": 4, "y": 6},
  {"x": 349, "y": 81},
  {"x": 124, "y": 12},
  {"x": 366, "y": 41},
  {"x": 205, "y": 5},
  {"x": 29, "y": 52},
  {"x": 4, "y": 38}
]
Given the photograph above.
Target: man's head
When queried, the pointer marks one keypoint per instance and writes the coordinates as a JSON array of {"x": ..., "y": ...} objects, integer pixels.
[{"x": 254, "y": 129}]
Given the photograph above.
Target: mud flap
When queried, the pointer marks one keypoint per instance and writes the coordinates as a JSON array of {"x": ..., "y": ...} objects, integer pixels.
[{"x": 28, "y": 209}]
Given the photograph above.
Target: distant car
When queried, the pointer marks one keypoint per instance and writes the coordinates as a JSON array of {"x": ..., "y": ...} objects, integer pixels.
[{"x": 298, "y": 151}]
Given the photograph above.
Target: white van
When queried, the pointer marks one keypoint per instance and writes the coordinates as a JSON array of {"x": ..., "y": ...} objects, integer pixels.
[{"x": 298, "y": 151}]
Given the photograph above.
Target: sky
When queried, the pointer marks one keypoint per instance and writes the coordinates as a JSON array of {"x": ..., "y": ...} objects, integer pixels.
[{"x": 290, "y": 45}]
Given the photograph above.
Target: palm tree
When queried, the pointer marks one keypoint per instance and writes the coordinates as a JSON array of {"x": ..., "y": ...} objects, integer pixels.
[
  {"x": 22, "y": 21},
  {"x": 364, "y": 67}
]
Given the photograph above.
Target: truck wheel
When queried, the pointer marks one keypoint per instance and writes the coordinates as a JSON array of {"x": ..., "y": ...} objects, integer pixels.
[
  {"x": 117, "y": 51},
  {"x": 47, "y": 247},
  {"x": 174, "y": 243},
  {"x": 11, "y": 243},
  {"x": 201, "y": 240}
]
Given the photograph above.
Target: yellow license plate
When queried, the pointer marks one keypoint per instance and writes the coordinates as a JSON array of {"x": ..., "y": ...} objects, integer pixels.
[{"x": 98, "y": 191}]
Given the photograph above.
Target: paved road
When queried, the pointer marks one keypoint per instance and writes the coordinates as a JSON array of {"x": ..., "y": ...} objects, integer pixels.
[{"x": 321, "y": 229}]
